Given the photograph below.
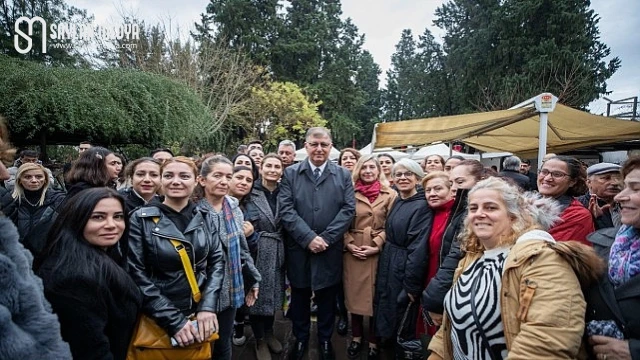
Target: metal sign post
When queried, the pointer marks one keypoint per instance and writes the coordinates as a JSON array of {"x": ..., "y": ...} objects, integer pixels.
[{"x": 545, "y": 103}]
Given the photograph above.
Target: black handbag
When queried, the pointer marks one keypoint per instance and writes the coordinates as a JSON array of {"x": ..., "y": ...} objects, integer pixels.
[{"x": 407, "y": 346}]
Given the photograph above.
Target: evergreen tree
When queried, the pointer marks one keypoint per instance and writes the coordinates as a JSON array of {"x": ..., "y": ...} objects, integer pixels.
[
  {"x": 246, "y": 25},
  {"x": 401, "y": 79},
  {"x": 500, "y": 52}
]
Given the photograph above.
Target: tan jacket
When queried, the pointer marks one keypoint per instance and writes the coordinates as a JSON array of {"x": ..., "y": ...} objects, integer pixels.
[
  {"x": 367, "y": 228},
  {"x": 541, "y": 303}
]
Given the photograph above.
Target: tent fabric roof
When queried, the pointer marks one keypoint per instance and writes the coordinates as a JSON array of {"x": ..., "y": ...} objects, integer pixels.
[{"x": 514, "y": 131}]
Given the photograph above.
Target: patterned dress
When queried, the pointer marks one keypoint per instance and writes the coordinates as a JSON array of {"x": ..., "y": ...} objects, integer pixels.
[{"x": 485, "y": 277}]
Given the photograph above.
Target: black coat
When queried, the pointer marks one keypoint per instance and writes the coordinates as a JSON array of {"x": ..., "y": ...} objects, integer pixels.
[
  {"x": 403, "y": 261},
  {"x": 33, "y": 223},
  {"x": 97, "y": 310},
  {"x": 522, "y": 181},
  {"x": 156, "y": 267},
  {"x": 132, "y": 200},
  {"x": 433, "y": 295},
  {"x": 604, "y": 302},
  {"x": 309, "y": 209}
]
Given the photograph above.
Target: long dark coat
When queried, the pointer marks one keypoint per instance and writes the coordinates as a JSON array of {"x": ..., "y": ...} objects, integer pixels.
[
  {"x": 308, "y": 209},
  {"x": 403, "y": 261},
  {"x": 269, "y": 257}
]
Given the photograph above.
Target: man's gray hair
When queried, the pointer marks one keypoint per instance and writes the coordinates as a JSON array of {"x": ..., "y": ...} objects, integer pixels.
[
  {"x": 287, "y": 143},
  {"x": 318, "y": 132},
  {"x": 410, "y": 165},
  {"x": 511, "y": 163}
]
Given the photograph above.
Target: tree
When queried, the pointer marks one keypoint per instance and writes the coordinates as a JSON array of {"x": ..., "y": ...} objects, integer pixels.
[
  {"x": 65, "y": 105},
  {"x": 400, "y": 77},
  {"x": 282, "y": 111},
  {"x": 500, "y": 52},
  {"x": 221, "y": 76},
  {"x": 53, "y": 12},
  {"x": 244, "y": 25}
]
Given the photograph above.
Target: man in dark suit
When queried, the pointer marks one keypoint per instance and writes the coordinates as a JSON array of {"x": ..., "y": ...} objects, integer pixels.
[
  {"x": 317, "y": 205},
  {"x": 525, "y": 169}
]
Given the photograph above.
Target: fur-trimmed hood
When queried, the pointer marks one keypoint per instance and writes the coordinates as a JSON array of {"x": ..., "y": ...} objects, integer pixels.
[
  {"x": 544, "y": 210},
  {"x": 28, "y": 329}
]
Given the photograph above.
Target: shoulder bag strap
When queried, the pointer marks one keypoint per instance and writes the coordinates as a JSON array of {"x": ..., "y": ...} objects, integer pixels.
[
  {"x": 476, "y": 320},
  {"x": 186, "y": 264}
]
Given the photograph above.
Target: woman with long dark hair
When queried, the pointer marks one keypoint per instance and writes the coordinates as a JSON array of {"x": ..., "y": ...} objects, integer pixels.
[
  {"x": 94, "y": 297},
  {"x": 96, "y": 167},
  {"x": 32, "y": 206},
  {"x": 156, "y": 266}
]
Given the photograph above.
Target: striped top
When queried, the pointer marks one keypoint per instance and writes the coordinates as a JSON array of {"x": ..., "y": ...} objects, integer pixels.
[{"x": 486, "y": 275}]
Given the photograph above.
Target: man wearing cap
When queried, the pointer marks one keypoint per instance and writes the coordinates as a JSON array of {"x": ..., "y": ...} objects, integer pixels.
[{"x": 604, "y": 182}]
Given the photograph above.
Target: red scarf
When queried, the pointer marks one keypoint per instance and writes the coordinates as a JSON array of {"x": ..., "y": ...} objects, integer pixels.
[{"x": 371, "y": 191}]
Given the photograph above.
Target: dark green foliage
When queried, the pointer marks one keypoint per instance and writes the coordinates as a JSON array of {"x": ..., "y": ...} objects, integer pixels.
[
  {"x": 500, "y": 52},
  {"x": 65, "y": 106}
]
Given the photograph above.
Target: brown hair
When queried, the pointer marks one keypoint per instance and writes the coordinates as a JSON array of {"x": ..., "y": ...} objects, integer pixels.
[
  {"x": 182, "y": 160},
  {"x": 7, "y": 152},
  {"x": 271, "y": 156},
  {"x": 475, "y": 168},
  {"x": 576, "y": 173},
  {"x": 91, "y": 167},
  {"x": 131, "y": 167},
  {"x": 631, "y": 164},
  {"x": 355, "y": 152}
]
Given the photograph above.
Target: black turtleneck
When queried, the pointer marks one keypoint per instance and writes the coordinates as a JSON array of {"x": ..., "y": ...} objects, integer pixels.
[
  {"x": 182, "y": 218},
  {"x": 33, "y": 197}
]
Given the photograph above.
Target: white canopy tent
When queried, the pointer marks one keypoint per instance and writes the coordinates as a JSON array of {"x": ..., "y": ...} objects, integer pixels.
[
  {"x": 397, "y": 155},
  {"x": 442, "y": 150}
]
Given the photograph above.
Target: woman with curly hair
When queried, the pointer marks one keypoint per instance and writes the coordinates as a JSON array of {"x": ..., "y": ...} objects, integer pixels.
[{"x": 517, "y": 293}]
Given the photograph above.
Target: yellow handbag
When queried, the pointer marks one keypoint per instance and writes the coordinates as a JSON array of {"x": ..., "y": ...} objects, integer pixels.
[{"x": 151, "y": 342}]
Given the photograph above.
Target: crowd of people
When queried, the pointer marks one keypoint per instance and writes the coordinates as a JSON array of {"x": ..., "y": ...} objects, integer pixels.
[{"x": 464, "y": 261}]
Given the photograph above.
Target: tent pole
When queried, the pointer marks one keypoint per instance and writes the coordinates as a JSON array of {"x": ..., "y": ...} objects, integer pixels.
[
  {"x": 542, "y": 138},
  {"x": 373, "y": 137}
]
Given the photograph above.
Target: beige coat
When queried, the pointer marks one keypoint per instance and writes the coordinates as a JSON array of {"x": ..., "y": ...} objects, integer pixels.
[
  {"x": 367, "y": 228},
  {"x": 542, "y": 305}
]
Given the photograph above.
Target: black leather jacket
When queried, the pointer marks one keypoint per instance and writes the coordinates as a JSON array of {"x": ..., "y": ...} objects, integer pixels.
[{"x": 156, "y": 267}]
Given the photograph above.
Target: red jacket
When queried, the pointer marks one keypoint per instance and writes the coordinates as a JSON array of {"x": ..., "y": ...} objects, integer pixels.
[{"x": 575, "y": 224}]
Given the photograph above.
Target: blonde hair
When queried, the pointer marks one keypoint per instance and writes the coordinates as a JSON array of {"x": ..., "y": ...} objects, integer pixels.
[
  {"x": 436, "y": 175},
  {"x": 18, "y": 190},
  {"x": 517, "y": 209},
  {"x": 355, "y": 176}
]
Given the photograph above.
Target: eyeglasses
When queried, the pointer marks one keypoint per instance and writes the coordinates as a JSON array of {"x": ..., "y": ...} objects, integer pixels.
[
  {"x": 322, "y": 145},
  {"x": 406, "y": 174},
  {"x": 554, "y": 174}
]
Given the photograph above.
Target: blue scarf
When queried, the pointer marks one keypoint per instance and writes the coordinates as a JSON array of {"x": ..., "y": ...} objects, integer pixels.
[
  {"x": 237, "y": 285},
  {"x": 624, "y": 257}
]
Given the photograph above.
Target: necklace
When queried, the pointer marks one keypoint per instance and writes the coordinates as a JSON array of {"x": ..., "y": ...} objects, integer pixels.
[{"x": 29, "y": 202}]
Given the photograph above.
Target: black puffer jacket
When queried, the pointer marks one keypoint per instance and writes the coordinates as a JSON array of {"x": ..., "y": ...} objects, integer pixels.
[
  {"x": 155, "y": 265},
  {"x": 433, "y": 295},
  {"x": 33, "y": 223}
]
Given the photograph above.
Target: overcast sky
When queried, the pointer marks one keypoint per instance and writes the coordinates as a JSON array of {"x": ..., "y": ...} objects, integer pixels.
[{"x": 382, "y": 21}]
